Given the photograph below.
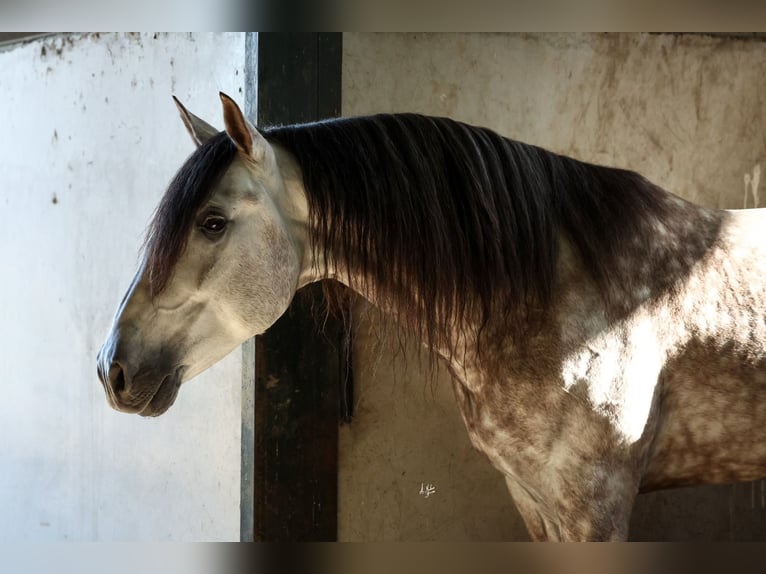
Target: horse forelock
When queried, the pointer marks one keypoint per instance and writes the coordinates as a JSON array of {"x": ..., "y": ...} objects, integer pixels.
[
  {"x": 173, "y": 219},
  {"x": 457, "y": 227}
]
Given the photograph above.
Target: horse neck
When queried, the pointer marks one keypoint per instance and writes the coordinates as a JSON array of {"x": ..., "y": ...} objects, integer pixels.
[
  {"x": 651, "y": 268},
  {"x": 316, "y": 266},
  {"x": 662, "y": 255},
  {"x": 664, "y": 251}
]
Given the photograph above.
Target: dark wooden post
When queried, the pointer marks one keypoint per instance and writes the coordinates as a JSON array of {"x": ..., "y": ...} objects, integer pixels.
[{"x": 298, "y": 371}]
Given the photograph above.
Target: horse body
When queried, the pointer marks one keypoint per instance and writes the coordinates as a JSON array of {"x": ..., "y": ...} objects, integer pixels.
[
  {"x": 642, "y": 371},
  {"x": 713, "y": 423},
  {"x": 594, "y": 411}
]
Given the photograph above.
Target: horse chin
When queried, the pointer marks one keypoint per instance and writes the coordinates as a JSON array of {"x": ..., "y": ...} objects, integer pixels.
[{"x": 165, "y": 396}]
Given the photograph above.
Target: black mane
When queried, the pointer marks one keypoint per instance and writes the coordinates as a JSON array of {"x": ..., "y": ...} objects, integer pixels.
[{"x": 453, "y": 223}]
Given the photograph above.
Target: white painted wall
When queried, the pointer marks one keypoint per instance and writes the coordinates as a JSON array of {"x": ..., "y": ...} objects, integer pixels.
[{"x": 89, "y": 139}]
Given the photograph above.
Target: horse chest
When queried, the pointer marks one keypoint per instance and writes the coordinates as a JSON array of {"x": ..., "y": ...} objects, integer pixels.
[{"x": 531, "y": 430}]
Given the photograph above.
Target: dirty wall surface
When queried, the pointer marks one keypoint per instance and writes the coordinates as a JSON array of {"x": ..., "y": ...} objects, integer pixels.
[
  {"x": 685, "y": 111},
  {"x": 90, "y": 139}
]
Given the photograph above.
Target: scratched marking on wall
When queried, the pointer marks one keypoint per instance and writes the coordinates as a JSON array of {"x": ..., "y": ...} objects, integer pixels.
[
  {"x": 751, "y": 185},
  {"x": 427, "y": 490}
]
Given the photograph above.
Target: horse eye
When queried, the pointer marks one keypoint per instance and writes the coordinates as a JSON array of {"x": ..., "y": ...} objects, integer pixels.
[{"x": 214, "y": 224}]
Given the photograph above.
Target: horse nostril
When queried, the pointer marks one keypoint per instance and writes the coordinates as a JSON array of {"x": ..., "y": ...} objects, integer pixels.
[{"x": 117, "y": 378}]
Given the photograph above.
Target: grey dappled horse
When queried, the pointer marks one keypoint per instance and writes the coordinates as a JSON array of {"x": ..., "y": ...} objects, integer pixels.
[{"x": 606, "y": 337}]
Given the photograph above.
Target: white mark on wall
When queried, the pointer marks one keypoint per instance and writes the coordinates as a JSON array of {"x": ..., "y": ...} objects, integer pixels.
[
  {"x": 427, "y": 490},
  {"x": 751, "y": 185}
]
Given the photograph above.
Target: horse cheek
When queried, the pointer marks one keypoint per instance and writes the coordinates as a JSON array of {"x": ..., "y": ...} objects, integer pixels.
[
  {"x": 285, "y": 265},
  {"x": 268, "y": 279}
]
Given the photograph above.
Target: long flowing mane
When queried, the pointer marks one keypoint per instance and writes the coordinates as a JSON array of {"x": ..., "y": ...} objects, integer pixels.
[{"x": 455, "y": 225}]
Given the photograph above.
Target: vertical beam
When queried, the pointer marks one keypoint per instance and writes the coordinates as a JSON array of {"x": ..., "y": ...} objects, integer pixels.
[
  {"x": 247, "y": 443},
  {"x": 298, "y": 371}
]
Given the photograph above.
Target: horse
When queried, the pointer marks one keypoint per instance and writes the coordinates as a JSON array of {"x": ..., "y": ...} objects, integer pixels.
[{"x": 605, "y": 337}]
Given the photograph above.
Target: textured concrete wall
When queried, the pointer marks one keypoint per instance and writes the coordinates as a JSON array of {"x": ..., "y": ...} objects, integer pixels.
[
  {"x": 90, "y": 139},
  {"x": 686, "y": 111}
]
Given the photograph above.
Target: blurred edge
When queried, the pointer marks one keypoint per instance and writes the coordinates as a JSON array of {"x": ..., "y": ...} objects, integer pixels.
[
  {"x": 733, "y": 17},
  {"x": 381, "y": 558},
  {"x": 491, "y": 558}
]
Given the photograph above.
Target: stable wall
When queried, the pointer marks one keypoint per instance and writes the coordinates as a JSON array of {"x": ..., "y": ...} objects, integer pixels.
[
  {"x": 685, "y": 111},
  {"x": 90, "y": 139}
]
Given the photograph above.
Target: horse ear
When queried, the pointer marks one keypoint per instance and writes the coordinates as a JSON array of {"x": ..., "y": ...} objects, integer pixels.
[
  {"x": 244, "y": 134},
  {"x": 199, "y": 130}
]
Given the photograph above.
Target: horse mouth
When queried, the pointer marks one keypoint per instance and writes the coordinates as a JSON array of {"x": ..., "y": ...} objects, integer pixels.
[{"x": 165, "y": 395}]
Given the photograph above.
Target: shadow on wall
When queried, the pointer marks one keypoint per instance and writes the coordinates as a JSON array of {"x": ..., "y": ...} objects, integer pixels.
[{"x": 717, "y": 513}]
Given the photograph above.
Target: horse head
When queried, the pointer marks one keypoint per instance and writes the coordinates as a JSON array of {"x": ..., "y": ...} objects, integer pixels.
[{"x": 221, "y": 263}]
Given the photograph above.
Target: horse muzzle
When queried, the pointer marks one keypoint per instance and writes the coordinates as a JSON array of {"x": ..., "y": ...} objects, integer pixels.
[{"x": 147, "y": 391}]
